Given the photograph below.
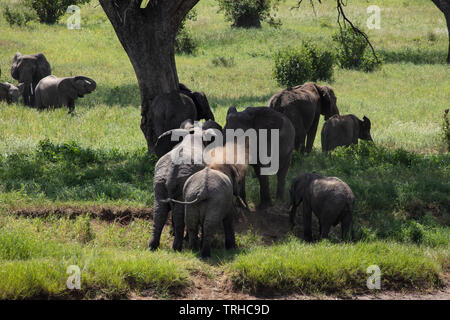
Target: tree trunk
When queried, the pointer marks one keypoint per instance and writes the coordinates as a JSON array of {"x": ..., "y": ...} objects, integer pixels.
[
  {"x": 444, "y": 6},
  {"x": 148, "y": 37}
]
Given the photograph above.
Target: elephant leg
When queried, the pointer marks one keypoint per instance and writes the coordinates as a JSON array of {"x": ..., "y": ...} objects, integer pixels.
[
  {"x": 192, "y": 227},
  {"x": 71, "y": 106},
  {"x": 312, "y": 135},
  {"x": 346, "y": 226},
  {"x": 264, "y": 189},
  {"x": 307, "y": 221},
  {"x": 178, "y": 220},
  {"x": 281, "y": 176},
  {"x": 292, "y": 215},
  {"x": 324, "y": 229},
  {"x": 230, "y": 241},
  {"x": 161, "y": 211}
]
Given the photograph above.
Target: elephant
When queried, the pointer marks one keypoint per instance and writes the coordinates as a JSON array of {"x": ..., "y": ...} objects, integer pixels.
[
  {"x": 208, "y": 197},
  {"x": 344, "y": 131},
  {"x": 29, "y": 70},
  {"x": 168, "y": 182},
  {"x": 303, "y": 105},
  {"x": 169, "y": 110},
  {"x": 329, "y": 198},
  {"x": 9, "y": 92},
  {"x": 260, "y": 118},
  {"x": 165, "y": 144},
  {"x": 57, "y": 92}
]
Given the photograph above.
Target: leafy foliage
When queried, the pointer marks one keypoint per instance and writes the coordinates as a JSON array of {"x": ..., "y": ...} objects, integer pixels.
[
  {"x": 308, "y": 62},
  {"x": 353, "y": 51},
  {"x": 249, "y": 13},
  {"x": 18, "y": 14},
  {"x": 49, "y": 11}
]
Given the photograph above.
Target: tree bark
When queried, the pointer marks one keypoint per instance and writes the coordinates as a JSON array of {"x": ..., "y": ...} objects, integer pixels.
[
  {"x": 444, "y": 6},
  {"x": 148, "y": 37}
]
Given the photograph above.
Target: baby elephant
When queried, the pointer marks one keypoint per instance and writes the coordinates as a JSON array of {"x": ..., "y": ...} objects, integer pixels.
[
  {"x": 329, "y": 198},
  {"x": 57, "y": 92},
  {"x": 9, "y": 92},
  {"x": 344, "y": 131},
  {"x": 208, "y": 196}
]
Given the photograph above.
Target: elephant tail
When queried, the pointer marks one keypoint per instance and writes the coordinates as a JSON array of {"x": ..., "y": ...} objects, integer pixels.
[{"x": 197, "y": 200}]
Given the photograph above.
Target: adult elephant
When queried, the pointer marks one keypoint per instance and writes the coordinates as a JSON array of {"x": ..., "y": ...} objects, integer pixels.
[
  {"x": 303, "y": 105},
  {"x": 264, "y": 118},
  {"x": 29, "y": 70},
  {"x": 344, "y": 131},
  {"x": 170, "y": 110},
  {"x": 57, "y": 92}
]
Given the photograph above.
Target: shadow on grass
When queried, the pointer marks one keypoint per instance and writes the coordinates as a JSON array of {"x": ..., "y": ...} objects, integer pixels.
[
  {"x": 244, "y": 100},
  {"x": 415, "y": 56},
  {"x": 123, "y": 96}
]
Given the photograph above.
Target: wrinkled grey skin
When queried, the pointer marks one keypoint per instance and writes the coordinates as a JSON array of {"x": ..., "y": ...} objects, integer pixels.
[
  {"x": 168, "y": 182},
  {"x": 265, "y": 118},
  {"x": 9, "y": 92},
  {"x": 29, "y": 70},
  {"x": 303, "y": 105},
  {"x": 344, "y": 131},
  {"x": 57, "y": 92},
  {"x": 170, "y": 110},
  {"x": 208, "y": 196},
  {"x": 329, "y": 198},
  {"x": 165, "y": 143}
]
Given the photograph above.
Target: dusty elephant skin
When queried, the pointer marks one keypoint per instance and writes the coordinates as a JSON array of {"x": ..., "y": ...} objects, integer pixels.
[
  {"x": 9, "y": 92},
  {"x": 344, "y": 131},
  {"x": 57, "y": 92},
  {"x": 29, "y": 70},
  {"x": 208, "y": 196},
  {"x": 170, "y": 110},
  {"x": 168, "y": 183},
  {"x": 329, "y": 198},
  {"x": 258, "y": 118},
  {"x": 303, "y": 105}
]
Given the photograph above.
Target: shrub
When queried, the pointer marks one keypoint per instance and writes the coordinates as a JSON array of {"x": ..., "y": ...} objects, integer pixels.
[
  {"x": 307, "y": 63},
  {"x": 223, "y": 61},
  {"x": 184, "y": 42},
  {"x": 17, "y": 14},
  {"x": 249, "y": 13},
  {"x": 353, "y": 51},
  {"x": 49, "y": 11}
]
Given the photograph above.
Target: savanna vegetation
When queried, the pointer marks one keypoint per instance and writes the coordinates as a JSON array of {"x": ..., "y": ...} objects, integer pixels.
[{"x": 66, "y": 180}]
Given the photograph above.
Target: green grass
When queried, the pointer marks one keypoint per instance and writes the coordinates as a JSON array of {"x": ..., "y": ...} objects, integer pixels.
[
  {"x": 98, "y": 157},
  {"x": 326, "y": 267}
]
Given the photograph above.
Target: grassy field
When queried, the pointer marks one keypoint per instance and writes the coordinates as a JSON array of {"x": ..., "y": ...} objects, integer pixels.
[{"x": 50, "y": 161}]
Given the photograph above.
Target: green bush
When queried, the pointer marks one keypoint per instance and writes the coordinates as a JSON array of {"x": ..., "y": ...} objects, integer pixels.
[
  {"x": 17, "y": 14},
  {"x": 353, "y": 51},
  {"x": 249, "y": 13},
  {"x": 306, "y": 63},
  {"x": 184, "y": 42},
  {"x": 49, "y": 11}
]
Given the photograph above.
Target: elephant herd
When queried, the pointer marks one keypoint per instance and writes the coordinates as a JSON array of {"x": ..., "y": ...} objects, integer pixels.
[
  {"x": 201, "y": 193},
  {"x": 39, "y": 88}
]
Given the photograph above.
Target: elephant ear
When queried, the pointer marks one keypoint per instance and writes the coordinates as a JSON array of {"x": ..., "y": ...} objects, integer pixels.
[
  {"x": 15, "y": 66},
  {"x": 182, "y": 88},
  {"x": 328, "y": 101},
  {"x": 68, "y": 87},
  {"x": 43, "y": 67},
  {"x": 164, "y": 144},
  {"x": 231, "y": 110},
  {"x": 202, "y": 105},
  {"x": 4, "y": 89}
]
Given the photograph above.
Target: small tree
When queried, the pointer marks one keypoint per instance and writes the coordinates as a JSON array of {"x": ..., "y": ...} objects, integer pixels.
[
  {"x": 49, "y": 11},
  {"x": 249, "y": 13}
]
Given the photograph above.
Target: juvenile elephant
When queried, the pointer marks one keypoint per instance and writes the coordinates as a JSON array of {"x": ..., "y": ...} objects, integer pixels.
[
  {"x": 29, "y": 70},
  {"x": 264, "y": 118},
  {"x": 170, "y": 110},
  {"x": 303, "y": 105},
  {"x": 208, "y": 196},
  {"x": 57, "y": 92},
  {"x": 9, "y": 92},
  {"x": 329, "y": 198},
  {"x": 344, "y": 131}
]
